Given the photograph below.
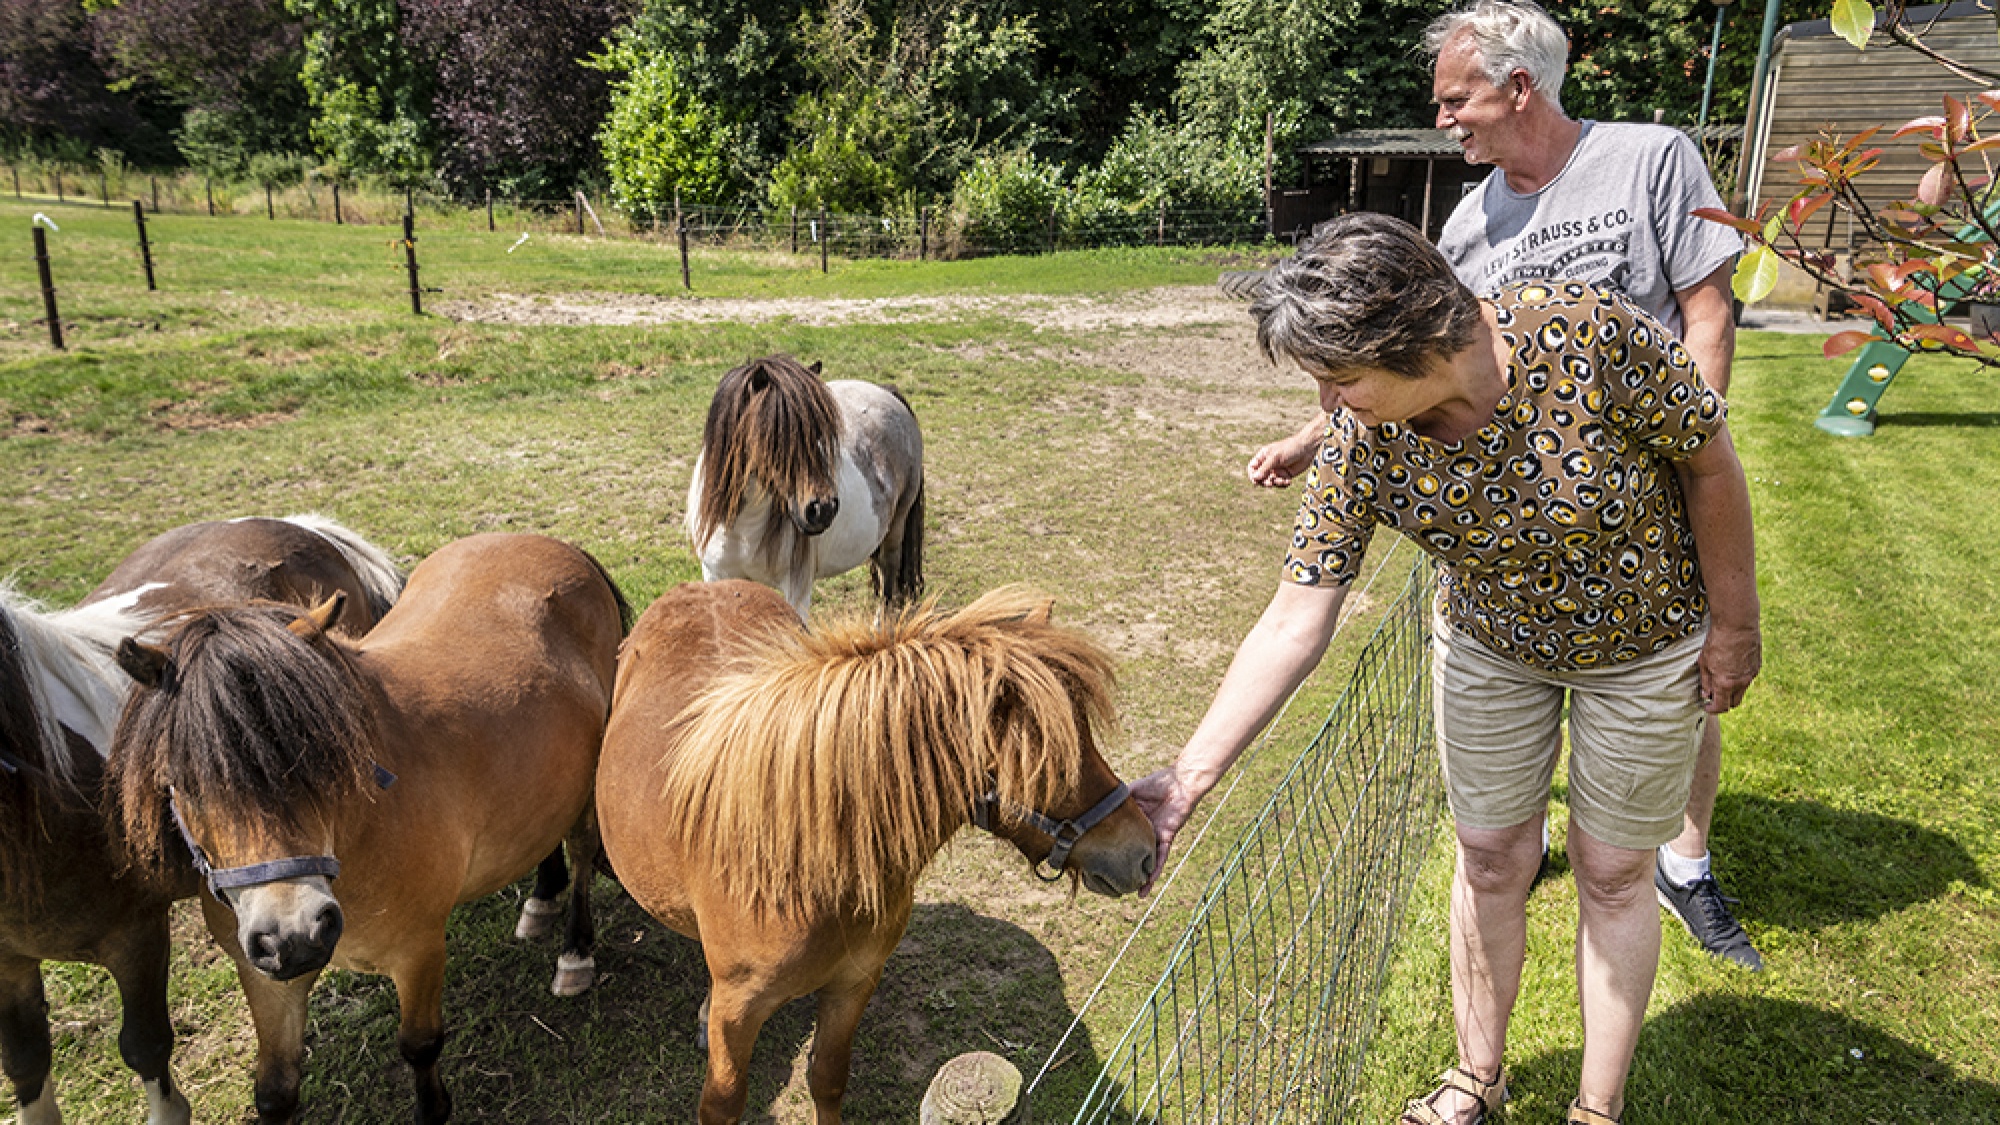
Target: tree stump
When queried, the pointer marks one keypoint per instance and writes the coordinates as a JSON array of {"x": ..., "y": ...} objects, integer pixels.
[{"x": 979, "y": 1088}]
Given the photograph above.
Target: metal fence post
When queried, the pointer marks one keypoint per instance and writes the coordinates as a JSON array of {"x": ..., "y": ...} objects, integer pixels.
[
  {"x": 489, "y": 210},
  {"x": 270, "y": 210},
  {"x": 681, "y": 225},
  {"x": 17, "y": 180},
  {"x": 825, "y": 236},
  {"x": 48, "y": 289},
  {"x": 104, "y": 188},
  {"x": 795, "y": 228},
  {"x": 145, "y": 247},
  {"x": 155, "y": 181},
  {"x": 208, "y": 189},
  {"x": 59, "y": 190},
  {"x": 337, "y": 220},
  {"x": 410, "y": 257},
  {"x": 923, "y": 233}
]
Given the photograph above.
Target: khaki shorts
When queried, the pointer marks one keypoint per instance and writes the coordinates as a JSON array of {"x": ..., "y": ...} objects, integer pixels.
[{"x": 1634, "y": 729}]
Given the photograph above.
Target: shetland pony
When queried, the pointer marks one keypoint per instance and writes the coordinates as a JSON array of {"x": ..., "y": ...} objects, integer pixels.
[
  {"x": 799, "y": 479},
  {"x": 432, "y": 762},
  {"x": 776, "y": 796},
  {"x": 64, "y": 895}
]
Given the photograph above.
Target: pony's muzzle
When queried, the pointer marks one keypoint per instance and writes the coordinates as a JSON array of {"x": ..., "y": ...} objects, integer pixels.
[
  {"x": 817, "y": 515},
  {"x": 293, "y": 940},
  {"x": 1121, "y": 874}
]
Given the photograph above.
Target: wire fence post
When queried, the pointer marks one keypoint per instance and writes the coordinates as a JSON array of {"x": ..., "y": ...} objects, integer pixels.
[
  {"x": 410, "y": 257},
  {"x": 48, "y": 289},
  {"x": 59, "y": 187},
  {"x": 145, "y": 247},
  {"x": 577, "y": 205},
  {"x": 410, "y": 202},
  {"x": 489, "y": 210},
  {"x": 17, "y": 180},
  {"x": 337, "y": 220},
  {"x": 1161, "y": 238},
  {"x": 208, "y": 189},
  {"x": 923, "y": 233},
  {"x": 681, "y": 225},
  {"x": 155, "y": 181},
  {"x": 795, "y": 228},
  {"x": 104, "y": 188},
  {"x": 825, "y": 236},
  {"x": 270, "y": 209}
]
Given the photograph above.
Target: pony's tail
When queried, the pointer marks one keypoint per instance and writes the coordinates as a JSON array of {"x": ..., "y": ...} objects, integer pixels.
[
  {"x": 909, "y": 579},
  {"x": 625, "y": 615},
  {"x": 381, "y": 578}
]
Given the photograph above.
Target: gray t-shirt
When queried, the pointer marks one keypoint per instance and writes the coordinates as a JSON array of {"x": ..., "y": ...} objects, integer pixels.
[{"x": 1618, "y": 214}]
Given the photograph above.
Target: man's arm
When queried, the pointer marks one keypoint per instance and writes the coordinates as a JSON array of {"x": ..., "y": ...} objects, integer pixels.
[
  {"x": 1708, "y": 326},
  {"x": 1718, "y": 506}
]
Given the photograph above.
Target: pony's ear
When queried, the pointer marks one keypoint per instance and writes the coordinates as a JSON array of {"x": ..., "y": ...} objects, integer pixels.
[
  {"x": 815, "y": 367},
  {"x": 144, "y": 663},
  {"x": 759, "y": 378},
  {"x": 320, "y": 618},
  {"x": 1043, "y": 611}
]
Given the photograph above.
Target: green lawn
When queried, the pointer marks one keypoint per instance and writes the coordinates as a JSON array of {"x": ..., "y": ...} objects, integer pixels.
[{"x": 279, "y": 370}]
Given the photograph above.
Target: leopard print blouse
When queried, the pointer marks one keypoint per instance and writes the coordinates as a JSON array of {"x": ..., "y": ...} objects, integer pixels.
[{"x": 1564, "y": 539}]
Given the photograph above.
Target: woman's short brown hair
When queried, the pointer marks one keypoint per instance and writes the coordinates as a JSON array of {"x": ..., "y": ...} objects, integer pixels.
[{"x": 1365, "y": 290}]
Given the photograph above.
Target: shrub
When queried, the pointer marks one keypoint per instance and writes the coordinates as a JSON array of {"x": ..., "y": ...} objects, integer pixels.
[{"x": 659, "y": 139}]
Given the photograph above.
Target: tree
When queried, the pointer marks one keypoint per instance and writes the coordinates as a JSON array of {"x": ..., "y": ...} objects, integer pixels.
[
  {"x": 1925, "y": 250},
  {"x": 54, "y": 95},
  {"x": 661, "y": 143},
  {"x": 515, "y": 106},
  {"x": 371, "y": 102},
  {"x": 231, "y": 66}
]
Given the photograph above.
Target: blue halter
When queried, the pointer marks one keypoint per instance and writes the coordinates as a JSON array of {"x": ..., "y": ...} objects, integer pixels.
[{"x": 221, "y": 879}]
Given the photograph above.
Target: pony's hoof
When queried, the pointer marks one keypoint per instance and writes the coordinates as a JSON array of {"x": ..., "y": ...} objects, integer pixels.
[
  {"x": 574, "y": 975},
  {"x": 538, "y": 917}
]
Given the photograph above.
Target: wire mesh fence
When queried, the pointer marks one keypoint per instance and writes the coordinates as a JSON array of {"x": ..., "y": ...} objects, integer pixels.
[
  {"x": 1266, "y": 1006},
  {"x": 917, "y": 232}
]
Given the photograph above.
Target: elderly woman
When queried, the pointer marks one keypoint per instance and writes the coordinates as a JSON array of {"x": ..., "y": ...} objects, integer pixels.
[{"x": 1555, "y": 449}]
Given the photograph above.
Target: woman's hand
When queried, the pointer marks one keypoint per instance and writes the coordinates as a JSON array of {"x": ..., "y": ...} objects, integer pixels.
[
  {"x": 1277, "y": 464},
  {"x": 1167, "y": 801},
  {"x": 1730, "y": 659}
]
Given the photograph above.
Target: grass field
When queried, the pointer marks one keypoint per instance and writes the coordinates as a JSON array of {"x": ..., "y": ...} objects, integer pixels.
[{"x": 279, "y": 370}]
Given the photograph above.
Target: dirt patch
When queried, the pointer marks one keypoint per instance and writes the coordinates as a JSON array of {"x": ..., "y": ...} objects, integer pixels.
[{"x": 1168, "y": 307}]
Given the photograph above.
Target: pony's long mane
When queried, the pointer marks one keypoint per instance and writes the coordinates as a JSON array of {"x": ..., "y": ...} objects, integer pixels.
[
  {"x": 824, "y": 771},
  {"x": 772, "y": 423},
  {"x": 252, "y": 722}
]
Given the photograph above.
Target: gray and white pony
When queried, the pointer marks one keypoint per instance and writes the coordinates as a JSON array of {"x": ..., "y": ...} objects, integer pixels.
[{"x": 800, "y": 479}]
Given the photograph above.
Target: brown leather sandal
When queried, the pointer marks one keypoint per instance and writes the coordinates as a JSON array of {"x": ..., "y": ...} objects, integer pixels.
[
  {"x": 1578, "y": 1115},
  {"x": 1492, "y": 1096}
]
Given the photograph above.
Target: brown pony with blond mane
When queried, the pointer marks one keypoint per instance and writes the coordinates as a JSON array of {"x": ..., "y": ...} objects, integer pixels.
[
  {"x": 65, "y": 891},
  {"x": 800, "y": 479},
  {"x": 777, "y": 795},
  {"x": 434, "y": 761}
]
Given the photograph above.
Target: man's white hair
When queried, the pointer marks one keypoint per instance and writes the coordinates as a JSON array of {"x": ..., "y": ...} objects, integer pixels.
[{"x": 1509, "y": 35}]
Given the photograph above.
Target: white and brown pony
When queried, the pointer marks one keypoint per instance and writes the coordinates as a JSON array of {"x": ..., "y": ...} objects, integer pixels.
[
  {"x": 776, "y": 795},
  {"x": 800, "y": 479},
  {"x": 341, "y": 797},
  {"x": 64, "y": 892}
]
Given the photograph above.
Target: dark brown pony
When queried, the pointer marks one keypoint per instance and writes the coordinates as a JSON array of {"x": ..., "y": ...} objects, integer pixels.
[
  {"x": 64, "y": 895},
  {"x": 800, "y": 479},
  {"x": 776, "y": 796},
  {"x": 432, "y": 762}
]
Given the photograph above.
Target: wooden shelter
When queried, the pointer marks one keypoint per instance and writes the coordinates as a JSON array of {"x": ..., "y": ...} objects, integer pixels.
[{"x": 1417, "y": 175}]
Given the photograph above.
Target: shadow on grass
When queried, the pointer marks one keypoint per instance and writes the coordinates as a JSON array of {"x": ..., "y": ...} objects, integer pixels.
[
  {"x": 1922, "y": 420},
  {"x": 1812, "y": 1066},
  {"x": 626, "y": 1052},
  {"x": 1802, "y": 865}
]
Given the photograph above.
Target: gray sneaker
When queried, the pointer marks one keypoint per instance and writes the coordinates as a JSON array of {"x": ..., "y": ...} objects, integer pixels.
[{"x": 1704, "y": 910}]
